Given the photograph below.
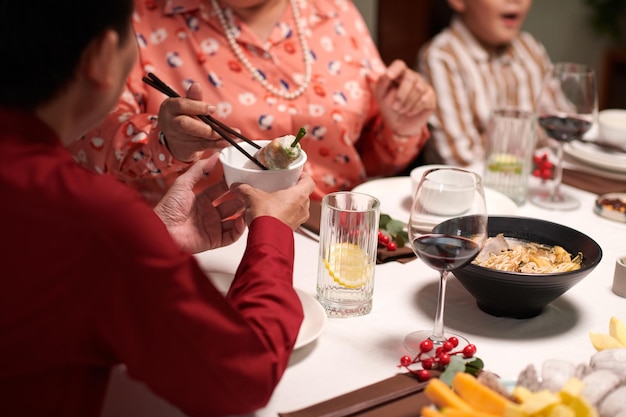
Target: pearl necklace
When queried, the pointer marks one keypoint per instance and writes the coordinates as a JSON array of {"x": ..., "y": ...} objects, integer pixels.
[{"x": 256, "y": 73}]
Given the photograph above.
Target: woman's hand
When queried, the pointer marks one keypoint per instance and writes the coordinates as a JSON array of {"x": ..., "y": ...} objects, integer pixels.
[
  {"x": 405, "y": 100},
  {"x": 209, "y": 220},
  {"x": 187, "y": 136}
]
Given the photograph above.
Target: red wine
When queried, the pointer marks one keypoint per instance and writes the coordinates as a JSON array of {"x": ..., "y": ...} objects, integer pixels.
[
  {"x": 564, "y": 129},
  {"x": 445, "y": 252}
]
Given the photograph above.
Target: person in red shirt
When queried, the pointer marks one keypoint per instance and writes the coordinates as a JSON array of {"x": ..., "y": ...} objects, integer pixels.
[
  {"x": 267, "y": 68},
  {"x": 91, "y": 275}
]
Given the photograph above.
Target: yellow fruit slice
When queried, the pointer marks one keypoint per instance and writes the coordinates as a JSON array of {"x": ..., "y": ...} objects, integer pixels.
[
  {"x": 617, "y": 329},
  {"x": 348, "y": 265},
  {"x": 443, "y": 396},
  {"x": 539, "y": 401},
  {"x": 521, "y": 393},
  {"x": 602, "y": 341},
  {"x": 454, "y": 412},
  {"x": 480, "y": 397},
  {"x": 572, "y": 388},
  {"x": 578, "y": 404},
  {"x": 561, "y": 410}
]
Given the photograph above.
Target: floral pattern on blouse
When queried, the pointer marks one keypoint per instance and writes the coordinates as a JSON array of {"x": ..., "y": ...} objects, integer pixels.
[{"x": 182, "y": 42}]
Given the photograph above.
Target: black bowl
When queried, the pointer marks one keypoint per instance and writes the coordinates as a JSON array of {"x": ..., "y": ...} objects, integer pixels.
[{"x": 523, "y": 295}]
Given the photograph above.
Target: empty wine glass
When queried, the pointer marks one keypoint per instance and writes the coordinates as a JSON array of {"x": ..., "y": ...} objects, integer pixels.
[
  {"x": 566, "y": 108},
  {"x": 447, "y": 229}
]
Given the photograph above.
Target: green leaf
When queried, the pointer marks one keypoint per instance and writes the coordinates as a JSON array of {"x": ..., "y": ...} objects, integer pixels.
[
  {"x": 395, "y": 226},
  {"x": 395, "y": 229},
  {"x": 474, "y": 366},
  {"x": 456, "y": 365},
  {"x": 383, "y": 220}
]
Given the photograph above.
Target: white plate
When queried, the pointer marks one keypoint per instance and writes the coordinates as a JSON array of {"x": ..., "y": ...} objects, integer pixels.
[
  {"x": 314, "y": 319},
  {"x": 592, "y": 155},
  {"x": 395, "y": 197},
  {"x": 314, "y": 314},
  {"x": 574, "y": 164}
]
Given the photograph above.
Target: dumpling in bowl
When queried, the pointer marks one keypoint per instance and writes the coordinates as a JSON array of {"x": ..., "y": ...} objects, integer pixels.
[{"x": 280, "y": 152}]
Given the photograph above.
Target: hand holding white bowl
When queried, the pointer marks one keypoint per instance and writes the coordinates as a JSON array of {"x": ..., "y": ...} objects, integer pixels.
[{"x": 235, "y": 167}]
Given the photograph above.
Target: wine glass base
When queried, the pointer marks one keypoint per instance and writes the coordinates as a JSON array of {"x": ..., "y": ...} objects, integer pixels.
[
  {"x": 412, "y": 341},
  {"x": 563, "y": 202}
]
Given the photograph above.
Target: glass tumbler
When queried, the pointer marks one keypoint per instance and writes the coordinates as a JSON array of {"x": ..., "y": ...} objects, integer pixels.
[
  {"x": 347, "y": 256},
  {"x": 511, "y": 140}
]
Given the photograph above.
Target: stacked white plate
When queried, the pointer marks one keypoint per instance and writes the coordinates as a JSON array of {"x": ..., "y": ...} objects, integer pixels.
[{"x": 595, "y": 160}]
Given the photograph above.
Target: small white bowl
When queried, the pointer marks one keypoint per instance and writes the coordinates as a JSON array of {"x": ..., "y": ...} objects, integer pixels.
[
  {"x": 234, "y": 162},
  {"x": 450, "y": 192},
  {"x": 416, "y": 175},
  {"x": 612, "y": 126}
]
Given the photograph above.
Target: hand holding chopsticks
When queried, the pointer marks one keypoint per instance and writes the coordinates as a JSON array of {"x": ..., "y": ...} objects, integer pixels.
[{"x": 220, "y": 128}]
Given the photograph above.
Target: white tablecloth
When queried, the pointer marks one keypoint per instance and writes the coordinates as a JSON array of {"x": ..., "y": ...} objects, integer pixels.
[{"x": 354, "y": 352}]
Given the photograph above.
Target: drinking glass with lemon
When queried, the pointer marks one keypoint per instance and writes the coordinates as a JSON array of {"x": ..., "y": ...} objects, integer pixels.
[{"x": 347, "y": 258}]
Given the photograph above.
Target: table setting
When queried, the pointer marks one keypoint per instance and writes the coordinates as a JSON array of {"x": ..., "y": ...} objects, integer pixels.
[
  {"x": 337, "y": 356},
  {"x": 363, "y": 299}
]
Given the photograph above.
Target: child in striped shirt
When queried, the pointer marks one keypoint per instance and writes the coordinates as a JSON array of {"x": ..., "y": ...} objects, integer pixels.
[{"x": 481, "y": 61}]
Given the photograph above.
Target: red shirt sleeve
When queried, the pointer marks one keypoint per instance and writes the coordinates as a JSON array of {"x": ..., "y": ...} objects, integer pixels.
[{"x": 193, "y": 346}]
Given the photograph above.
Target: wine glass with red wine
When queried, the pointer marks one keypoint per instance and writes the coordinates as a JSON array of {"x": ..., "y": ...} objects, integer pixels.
[
  {"x": 447, "y": 229},
  {"x": 567, "y": 107}
]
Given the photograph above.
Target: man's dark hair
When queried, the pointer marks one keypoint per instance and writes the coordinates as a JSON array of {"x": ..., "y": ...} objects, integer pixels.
[{"x": 41, "y": 43}]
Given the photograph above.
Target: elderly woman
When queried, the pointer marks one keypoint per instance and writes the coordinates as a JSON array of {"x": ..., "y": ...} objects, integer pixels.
[{"x": 267, "y": 68}]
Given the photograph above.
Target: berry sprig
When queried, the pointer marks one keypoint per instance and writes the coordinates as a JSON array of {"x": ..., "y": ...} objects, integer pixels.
[
  {"x": 543, "y": 169},
  {"x": 442, "y": 357},
  {"x": 392, "y": 233}
]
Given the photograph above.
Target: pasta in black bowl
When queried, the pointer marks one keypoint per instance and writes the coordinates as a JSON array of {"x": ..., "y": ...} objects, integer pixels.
[{"x": 510, "y": 293}]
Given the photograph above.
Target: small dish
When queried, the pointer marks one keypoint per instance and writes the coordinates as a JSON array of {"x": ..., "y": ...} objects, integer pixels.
[
  {"x": 611, "y": 206},
  {"x": 314, "y": 319}
]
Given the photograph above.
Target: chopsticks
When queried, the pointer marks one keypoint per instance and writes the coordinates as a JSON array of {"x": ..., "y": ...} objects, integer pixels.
[{"x": 219, "y": 127}]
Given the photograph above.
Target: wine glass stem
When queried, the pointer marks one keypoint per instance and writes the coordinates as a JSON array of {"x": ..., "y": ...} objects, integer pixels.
[
  {"x": 438, "y": 334},
  {"x": 558, "y": 173}
]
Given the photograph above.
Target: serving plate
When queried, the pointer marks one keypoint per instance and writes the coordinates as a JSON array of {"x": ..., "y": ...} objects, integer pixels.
[{"x": 395, "y": 197}]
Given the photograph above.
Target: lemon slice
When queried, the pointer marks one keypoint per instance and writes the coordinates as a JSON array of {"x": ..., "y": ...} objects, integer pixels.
[
  {"x": 505, "y": 163},
  {"x": 348, "y": 265}
]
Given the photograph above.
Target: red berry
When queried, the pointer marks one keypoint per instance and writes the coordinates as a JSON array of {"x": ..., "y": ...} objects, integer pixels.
[
  {"x": 469, "y": 351},
  {"x": 391, "y": 246},
  {"x": 405, "y": 361},
  {"x": 422, "y": 375},
  {"x": 428, "y": 363},
  {"x": 384, "y": 239},
  {"x": 426, "y": 345},
  {"x": 447, "y": 346},
  {"x": 444, "y": 359},
  {"x": 454, "y": 341},
  {"x": 438, "y": 351},
  {"x": 380, "y": 234}
]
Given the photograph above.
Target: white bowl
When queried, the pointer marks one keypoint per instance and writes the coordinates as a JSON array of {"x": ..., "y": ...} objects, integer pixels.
[
  {"x": 234, "y": 163},
  {"x": 450, "y": 193},
  {"x": 612, "y": 126},
  {"x": 416, "y": 175}
]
